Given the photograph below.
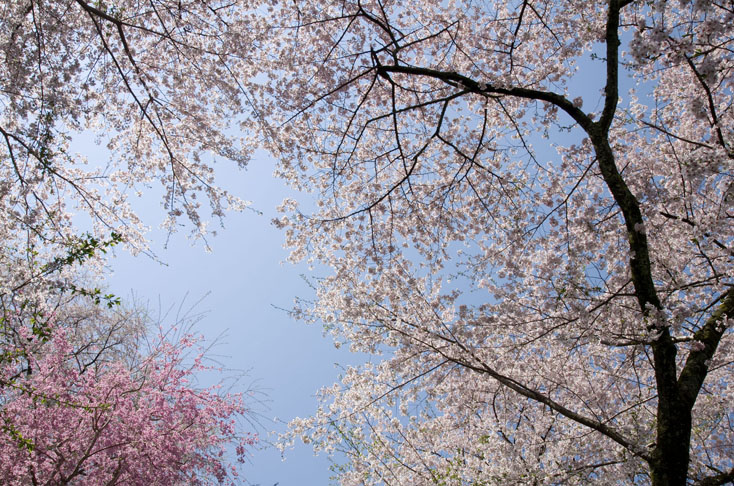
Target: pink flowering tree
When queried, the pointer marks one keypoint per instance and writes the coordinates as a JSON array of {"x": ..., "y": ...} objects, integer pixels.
[
  {"x": 90, "y": 394},
  {"x": 527, "y": 209},
  {"x": 63, "y": 423}
]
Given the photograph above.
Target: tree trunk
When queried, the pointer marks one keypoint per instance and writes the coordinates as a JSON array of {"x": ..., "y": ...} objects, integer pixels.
[{"x": 669, "y": 466}]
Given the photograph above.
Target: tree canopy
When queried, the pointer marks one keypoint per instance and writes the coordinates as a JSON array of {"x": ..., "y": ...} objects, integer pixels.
[
  {"x": 525, "y": 208},
  {"x": 91, "y": 392},
  {"x": 156, "y": 82}
]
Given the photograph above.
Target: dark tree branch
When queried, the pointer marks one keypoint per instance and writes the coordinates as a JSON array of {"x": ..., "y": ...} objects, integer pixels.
[
  {"x": 718, "y": 480},
  {"x": 696, "y": 367}
]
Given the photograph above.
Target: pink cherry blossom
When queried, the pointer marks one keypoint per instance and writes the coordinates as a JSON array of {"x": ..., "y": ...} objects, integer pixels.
[{"x": 65, "y": 421}]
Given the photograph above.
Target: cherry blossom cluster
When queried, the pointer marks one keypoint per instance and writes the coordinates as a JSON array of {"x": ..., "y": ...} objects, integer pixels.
[
  {"x": 65, "y": 421},
  {"x": 526, "y": 212}
]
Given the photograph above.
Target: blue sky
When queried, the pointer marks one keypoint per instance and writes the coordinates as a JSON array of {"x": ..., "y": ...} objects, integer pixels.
[{"x": 245, "y": 281}]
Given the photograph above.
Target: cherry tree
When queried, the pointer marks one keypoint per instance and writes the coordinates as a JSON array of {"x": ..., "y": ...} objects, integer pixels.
[
  {"x": 67, "y": 420},
  {"x": 543, "y": 316},
  {"x": 91, "y": 392},
  {"x": 88, "y": 395},
  {"x": 155, "y": 82},
  {"x": 526, "y": 207}
]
